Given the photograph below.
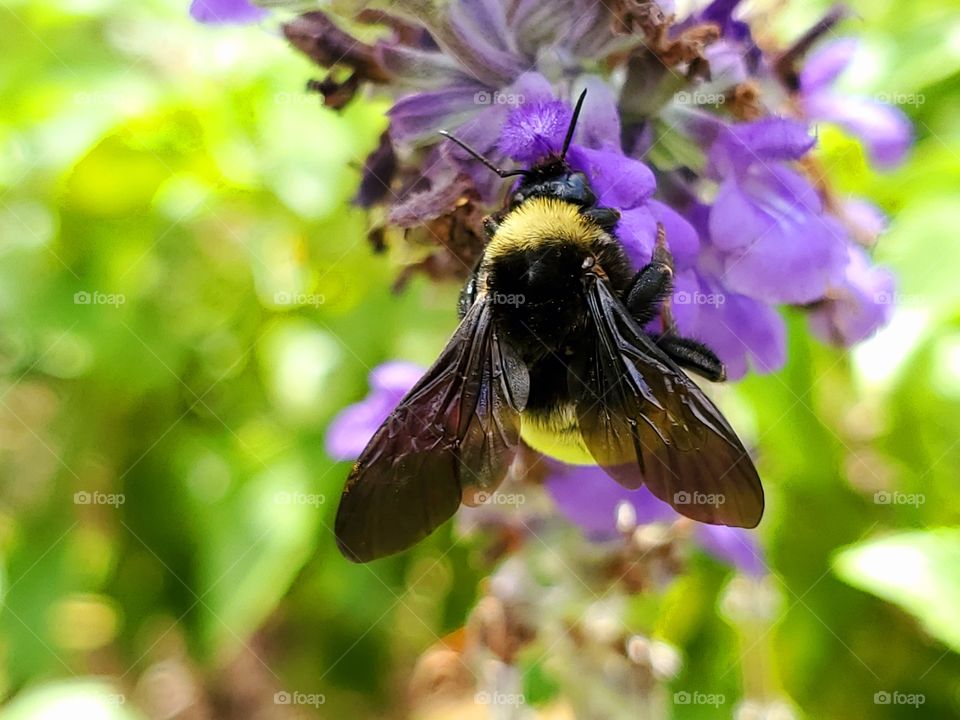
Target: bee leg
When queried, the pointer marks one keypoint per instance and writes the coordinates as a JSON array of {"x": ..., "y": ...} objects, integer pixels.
[
  {"x": 649, "y": 287},
  {"x": 694, "y": 356}
]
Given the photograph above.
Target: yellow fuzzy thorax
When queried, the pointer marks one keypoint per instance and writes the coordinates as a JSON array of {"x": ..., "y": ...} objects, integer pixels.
[{"x": 540, "y": 220}]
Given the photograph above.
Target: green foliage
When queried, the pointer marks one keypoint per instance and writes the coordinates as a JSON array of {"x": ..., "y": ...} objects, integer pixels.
[{"x": 915, "y": 570}]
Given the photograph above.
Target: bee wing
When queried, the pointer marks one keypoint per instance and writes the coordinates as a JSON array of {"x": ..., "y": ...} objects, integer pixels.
[
  {"x": 454, "y": 434},
  {"x": 645, "y": 421}
]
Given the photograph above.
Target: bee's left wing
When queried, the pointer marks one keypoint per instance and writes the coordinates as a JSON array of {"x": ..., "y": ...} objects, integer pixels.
[
  {"x": 453, "y": 435},
  {"x": 646, "y": 422}
]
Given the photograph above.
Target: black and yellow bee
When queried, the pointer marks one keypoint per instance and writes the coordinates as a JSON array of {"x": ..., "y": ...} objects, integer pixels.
[{"x": 551, "y": 350}]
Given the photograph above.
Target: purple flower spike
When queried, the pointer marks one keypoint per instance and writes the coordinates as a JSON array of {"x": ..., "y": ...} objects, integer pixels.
[
  {"x": 221, "y": 12},
  {"x": 588, "y": 497},
  {"x": 885, "y": 130},
  {"x": 352, "y": 428}
]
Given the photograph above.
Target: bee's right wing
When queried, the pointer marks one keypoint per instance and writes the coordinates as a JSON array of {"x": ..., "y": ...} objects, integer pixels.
[
  {"x": 646, "y": 422},
  {"x": 453, "y": 435}
]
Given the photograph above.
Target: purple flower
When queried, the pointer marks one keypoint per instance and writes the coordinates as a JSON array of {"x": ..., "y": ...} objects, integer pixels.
[
  {"x": 351, "y": 430},
  {"x": 489, "y": 56},
  {"x": 884, "y": 129},
  {"x": 778, "y": 243},
  {"x": 226, "y": 11},
  {"x": 536, "y": 130},
  {"x": 860, "y": 305},
  {"x": 588, "y": 497},
  {"x": 742, "y": 331}
]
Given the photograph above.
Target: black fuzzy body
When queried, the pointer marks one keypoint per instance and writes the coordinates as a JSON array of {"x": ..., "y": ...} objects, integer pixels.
[{"x": 535, "y": 282}]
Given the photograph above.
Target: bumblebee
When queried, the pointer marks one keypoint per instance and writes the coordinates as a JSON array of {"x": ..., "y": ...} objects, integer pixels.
[{"x": 551, "y": 350}]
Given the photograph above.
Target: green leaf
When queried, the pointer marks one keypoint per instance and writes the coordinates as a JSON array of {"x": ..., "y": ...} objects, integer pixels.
[
  {"x": 79, "y": 699},
  {"x": 919, "y": 571}
]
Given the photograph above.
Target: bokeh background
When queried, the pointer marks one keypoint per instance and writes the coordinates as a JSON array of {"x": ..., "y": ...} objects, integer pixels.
[{"x": 187, "y": 298}]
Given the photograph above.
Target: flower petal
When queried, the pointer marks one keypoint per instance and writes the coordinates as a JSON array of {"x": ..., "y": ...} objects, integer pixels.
[
  {"x": 637, "y": 230},
  {"x": 761, "y": 141},
  {"x": 421, "y": 115},
  {"x": 825, "y": 64},
  {"x": 419, "y": 68},
  {"x": 351, "y": 430},
  {"x": 215, "y": 12},
  {"x": 734, "y": 546},
  {"x": 884, "y": 129},
  {"x": 619, "y": 181},
  {"x": 475, "y": 32},
  {"x": 733, "y": 221},
  {"x": 860, "y": 306},
  {"x": 682, "y": 239},
  {"x": 868, "y": 221},
  {"x": 785, "y": 248},
  {"x": 740, "y": 330},
  {"x": 535, "y": 130},
  {"x": 599, "y": 122},
  {"x": 395, "y": 376},
  {"x": 791, "y": 262},
  {"x": 586, "y": 496},
  {"x": 728, "y": 66},
  {"x": 379, "y": 169}
]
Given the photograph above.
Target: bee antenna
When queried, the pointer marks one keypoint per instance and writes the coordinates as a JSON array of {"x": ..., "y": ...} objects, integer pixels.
[
  {"x": 473, "y": 153},
  {"x": 573, "y": 124}
]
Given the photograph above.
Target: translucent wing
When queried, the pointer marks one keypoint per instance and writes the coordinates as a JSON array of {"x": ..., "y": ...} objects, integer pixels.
[
  {"x": 645, "y": 421},
  {"x": 454, "y": 434}
]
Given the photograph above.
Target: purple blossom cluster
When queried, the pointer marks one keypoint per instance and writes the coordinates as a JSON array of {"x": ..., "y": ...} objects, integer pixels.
[{"x": 688, "y": 123}]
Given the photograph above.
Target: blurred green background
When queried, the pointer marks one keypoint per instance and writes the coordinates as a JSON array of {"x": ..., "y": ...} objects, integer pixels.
[{"x": 187, "y": 298}]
